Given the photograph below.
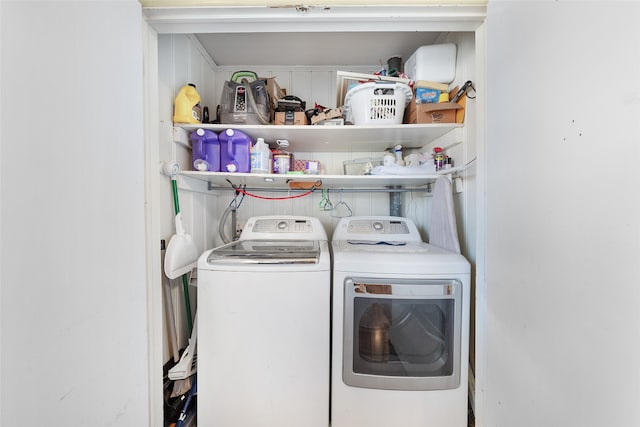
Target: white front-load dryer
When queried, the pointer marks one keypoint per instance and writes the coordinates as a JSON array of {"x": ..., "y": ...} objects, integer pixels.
[
  {"x": 264, "y": 327},
  {"x": 400, "y": 327}
]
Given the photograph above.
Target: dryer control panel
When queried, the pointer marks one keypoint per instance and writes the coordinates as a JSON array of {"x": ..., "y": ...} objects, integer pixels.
[
  {"x": 390, "y": 228},
  {"x": 378, "y": 226}
]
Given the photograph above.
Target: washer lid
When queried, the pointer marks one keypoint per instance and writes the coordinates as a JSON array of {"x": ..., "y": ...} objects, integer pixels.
[{"x": 267, "y": 252}]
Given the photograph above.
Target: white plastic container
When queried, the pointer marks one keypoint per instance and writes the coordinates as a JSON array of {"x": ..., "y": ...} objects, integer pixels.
[
  {"x": 378, "y": 103},
  {"x": 435, "y": 63},
  {"x": 361, "y": 166},
  {"x": 260, "y": 157}
]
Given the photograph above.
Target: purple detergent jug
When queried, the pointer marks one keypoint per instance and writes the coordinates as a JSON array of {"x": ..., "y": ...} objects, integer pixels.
[
  {"x": 205, "y": 151},
  {"x": 235, "y": 151}
]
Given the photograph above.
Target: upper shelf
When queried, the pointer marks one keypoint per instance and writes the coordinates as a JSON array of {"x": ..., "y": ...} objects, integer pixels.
[{"x": 333, "y": 138}]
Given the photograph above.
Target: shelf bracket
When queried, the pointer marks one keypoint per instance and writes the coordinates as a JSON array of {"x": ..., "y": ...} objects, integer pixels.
[{"x": 181, "y": 136}]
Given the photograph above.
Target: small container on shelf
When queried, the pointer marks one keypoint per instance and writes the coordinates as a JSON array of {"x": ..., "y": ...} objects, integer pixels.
[{"x": 360, "y": 166}]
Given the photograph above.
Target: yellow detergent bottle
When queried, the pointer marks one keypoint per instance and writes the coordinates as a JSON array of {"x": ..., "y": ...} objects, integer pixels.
[{"x": 187, "y": 105}]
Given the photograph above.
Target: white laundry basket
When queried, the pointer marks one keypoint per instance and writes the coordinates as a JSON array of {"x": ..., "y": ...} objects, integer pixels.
[{"x": 377, "y": 103}]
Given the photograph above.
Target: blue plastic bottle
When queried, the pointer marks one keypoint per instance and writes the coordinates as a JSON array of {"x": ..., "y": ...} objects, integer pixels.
[
  {"x": 235, "y": 151},
  {"x": 205, "y": 151}
]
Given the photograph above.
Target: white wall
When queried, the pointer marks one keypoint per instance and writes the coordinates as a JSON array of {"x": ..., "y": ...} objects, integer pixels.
[
  {"x": 73, "y": 294},
  {"x": 563, "y": 232}
]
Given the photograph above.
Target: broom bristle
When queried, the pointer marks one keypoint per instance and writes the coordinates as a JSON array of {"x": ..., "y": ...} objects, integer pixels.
[{"x": 181, "y": 387}]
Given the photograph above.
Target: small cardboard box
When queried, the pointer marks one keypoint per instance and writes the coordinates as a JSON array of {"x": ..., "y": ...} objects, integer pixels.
[
  {"x": 424, "y": 95},
  {"x": 290, "y": 118},
  {"x": 327, "y": 114},
  {"x": 443, "y": 112}
]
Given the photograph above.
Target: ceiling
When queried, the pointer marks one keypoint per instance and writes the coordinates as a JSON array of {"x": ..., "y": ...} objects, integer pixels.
[
  {"x": 314, "y": 36},
  {"x": 312, "y": 49},
  {"x": 190, "y": 3}
]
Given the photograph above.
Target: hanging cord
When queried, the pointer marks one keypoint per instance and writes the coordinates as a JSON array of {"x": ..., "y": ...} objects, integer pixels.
[
  {"x": 234, "y": 205},
  {"x": 241, "y": 190}
]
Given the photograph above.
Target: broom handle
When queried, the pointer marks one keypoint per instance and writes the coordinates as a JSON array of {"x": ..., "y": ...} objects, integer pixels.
[{"x": 185, "y": 279}]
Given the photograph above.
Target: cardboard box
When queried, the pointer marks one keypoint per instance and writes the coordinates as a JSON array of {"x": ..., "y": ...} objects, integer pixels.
[
  {"x": 442, "y": 87},
  {"x": 326, "y": 115},
  {"x": 290, "y": 118},
  {"x": 443, "y": 112},
  {"x": 311, "y": 167},
  {"x": 275, "y": 92}
]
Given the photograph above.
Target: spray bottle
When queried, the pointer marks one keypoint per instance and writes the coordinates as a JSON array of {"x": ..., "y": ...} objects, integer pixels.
[{"x": 398, "y": 152}]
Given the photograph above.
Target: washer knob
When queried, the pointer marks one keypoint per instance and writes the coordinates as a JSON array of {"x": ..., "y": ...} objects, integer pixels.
[
  {"x": 282, "y": 225},
  {"x": 377, "y": 226}
]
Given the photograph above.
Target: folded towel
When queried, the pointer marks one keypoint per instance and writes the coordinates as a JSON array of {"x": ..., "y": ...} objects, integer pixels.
[{"x": 443, "y": 231}]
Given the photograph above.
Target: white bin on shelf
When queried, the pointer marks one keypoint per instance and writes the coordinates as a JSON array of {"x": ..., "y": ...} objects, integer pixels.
[
  {"x": 434, "y": 63},
  {"x": 377, "y": 103}
]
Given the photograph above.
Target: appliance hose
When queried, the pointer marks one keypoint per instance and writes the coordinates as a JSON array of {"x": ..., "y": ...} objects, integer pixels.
[
  {"x": 223, "y": 220},
  {"x": 252, "y": 102}
]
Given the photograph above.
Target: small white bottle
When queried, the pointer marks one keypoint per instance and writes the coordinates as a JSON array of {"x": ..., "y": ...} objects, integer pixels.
[
  {"x": 398, "y": 151},
  {"x": 260, "y": 157}
]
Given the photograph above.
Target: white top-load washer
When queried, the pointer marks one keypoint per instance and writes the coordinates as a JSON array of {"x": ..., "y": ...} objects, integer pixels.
[
  {"x": 400, "y": 327},
  {"x": 264, "y": 326}
]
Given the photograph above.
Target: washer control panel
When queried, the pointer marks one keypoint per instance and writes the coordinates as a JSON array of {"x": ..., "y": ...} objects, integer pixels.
[{"x": 283, "y": 227}]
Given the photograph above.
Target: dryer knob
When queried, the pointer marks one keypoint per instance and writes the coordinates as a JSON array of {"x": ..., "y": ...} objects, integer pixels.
[
  {"x": 377, "y": 226},
  {"x": 282, "y": 225}
]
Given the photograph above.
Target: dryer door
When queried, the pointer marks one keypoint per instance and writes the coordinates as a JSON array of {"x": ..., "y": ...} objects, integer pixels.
[{"x": 402, "y": 335}]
